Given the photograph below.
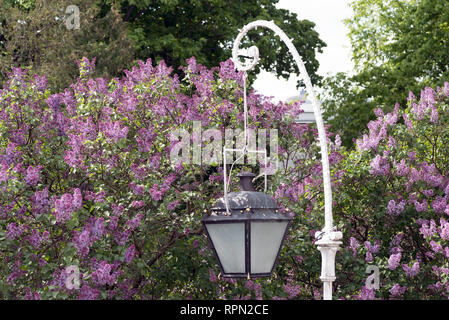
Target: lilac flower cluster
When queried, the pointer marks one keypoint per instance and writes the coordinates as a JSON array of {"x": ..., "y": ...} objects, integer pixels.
[
  {"x": 412, "y": 271},
  {"x": 394, "y": 260},
  {"x": 67, "y": 204},
  {"x": 397, "y": 290},
  {"x": 394, "y": 208},
  {"x": 410, "y": 159},
  {"x": 371, "y": 249}
]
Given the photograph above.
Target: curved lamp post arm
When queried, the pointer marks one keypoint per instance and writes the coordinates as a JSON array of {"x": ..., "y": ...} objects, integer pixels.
[{"x": 327, "y": 242}]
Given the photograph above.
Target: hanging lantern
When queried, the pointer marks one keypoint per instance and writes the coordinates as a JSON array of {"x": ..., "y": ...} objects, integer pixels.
[{"x": 247, "y": 233}]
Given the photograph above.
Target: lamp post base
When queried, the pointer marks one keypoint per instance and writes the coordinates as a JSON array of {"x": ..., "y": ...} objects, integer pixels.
[{"x": 328, "y": 245}]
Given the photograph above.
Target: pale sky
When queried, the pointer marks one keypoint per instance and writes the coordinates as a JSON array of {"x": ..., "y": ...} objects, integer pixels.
[{"x": 328, "y": 17}]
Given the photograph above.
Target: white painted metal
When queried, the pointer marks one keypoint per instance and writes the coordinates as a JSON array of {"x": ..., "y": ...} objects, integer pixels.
[{"x": 327, "y": 240}]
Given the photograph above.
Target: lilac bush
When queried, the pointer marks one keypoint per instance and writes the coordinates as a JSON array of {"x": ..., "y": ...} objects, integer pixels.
[
  {"x": 395, "y": 192},
  {"x": 86, "y": 180}
]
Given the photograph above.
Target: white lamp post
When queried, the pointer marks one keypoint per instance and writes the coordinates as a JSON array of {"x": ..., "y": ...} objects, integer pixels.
[{"x": 328, "y": 239}]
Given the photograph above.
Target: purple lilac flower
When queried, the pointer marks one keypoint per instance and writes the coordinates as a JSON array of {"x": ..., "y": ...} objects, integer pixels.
[
  {"x": 117, "y": 210},
  {"x": 379, "y": 112},
  {"x": 394, "y": 260},
  {"x": 366, "y": 294},
  {"x": 4, "y": 176},
  {"x": 446, "y": 189},
  {"x": 428, "y": 230},
  {"x": 155, "y": 193},
  {"x": 212, "y": 276},
  {"x": 402, "y": 169},
  {"x": 122, "y": 237},
  {"x": 40, "y": 201},
  {"x": 137, "y": 204},
  {"x": 86, "y": 67},
  {"x": 439, "y": 204},
  {"x": 113, "y": 223},
  {"x": 40, "y": 82},
  {"x": 137, "y": 189},
  {"x": 96, "y": 228},
  {"x": 249, "y": 285},
  {"x": 36, "y": 238},
  {"x": 88, "y": 293},
  {"x": 103, "y": 274},
  {"x": 354, "y": 244},
  {"x": 392, "y": 117},
  {"x": 81, "y": 242},
  {"x": 172, "y": 205},
  {"x": 14, "y": 276},
  {"x": 411, "y": 272},
  {"x": 130, "y": 253},
  {"x": 397, "y": 290},
  {"x": 144, "y": 140},
  {"x": 444, "y": 230},
  {"x": 371, "y": 249},
  {"x": 32, "y": 176},
  {"x": 446, "y": 89},
  {"x": 66, "y": 205},
  {"x": 434, "y": 115},
  {"x": 421, "y": 206},
  {"x": 292, "y": 290},
  {"x": 134, "y": 222},
  {"x": 379, "y": 166},
  {"x": 54, "y": 102},
  {"x": 407, "y": 121},
  {"x": 31, "y": 296},
  {"x": 77, "y": 199},
  {"x": 397, "y": 239},
  {"x": 228, "y": 71},
  {"x": 394, "y": 209},
  {"x": 13, "y": 231},
  {"x": 155, "y": 161},
  {"x": 436, "y": 247},
  {"x": 99, "y": 197}
]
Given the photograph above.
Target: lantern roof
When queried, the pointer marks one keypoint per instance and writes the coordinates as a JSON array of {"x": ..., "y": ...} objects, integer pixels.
[{"x": 246, "y": 204}]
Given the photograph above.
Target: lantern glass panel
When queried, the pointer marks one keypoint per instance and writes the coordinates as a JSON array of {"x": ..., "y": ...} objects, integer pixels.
[
  {"x": 229, "y": 242},
  {"x": 266, "y": 239}
]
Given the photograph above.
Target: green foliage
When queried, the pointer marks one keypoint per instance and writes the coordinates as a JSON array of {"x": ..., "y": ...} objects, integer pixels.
[
  {"x": 118, "y": 32},
  {"x": 34, "y": 35},
  {"x": 397, "y": 46},
  {"x": 179, "y": 29}
]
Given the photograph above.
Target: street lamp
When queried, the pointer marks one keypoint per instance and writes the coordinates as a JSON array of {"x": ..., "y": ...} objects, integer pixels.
[
  {"x": 247, "y": 233},
  {"x": 328, "y": 239}
]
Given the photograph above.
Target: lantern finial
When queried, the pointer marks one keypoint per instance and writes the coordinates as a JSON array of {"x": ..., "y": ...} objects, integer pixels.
[{"x": 246, "y": 183}]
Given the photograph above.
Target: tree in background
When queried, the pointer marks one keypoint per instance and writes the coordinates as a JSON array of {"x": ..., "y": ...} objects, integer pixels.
[
  {"x": 397, "y": 46},
  {"x": 175, "y": 30},
  {"x": 34, "y": 34},
  {"x": 117, "y": 32}
]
